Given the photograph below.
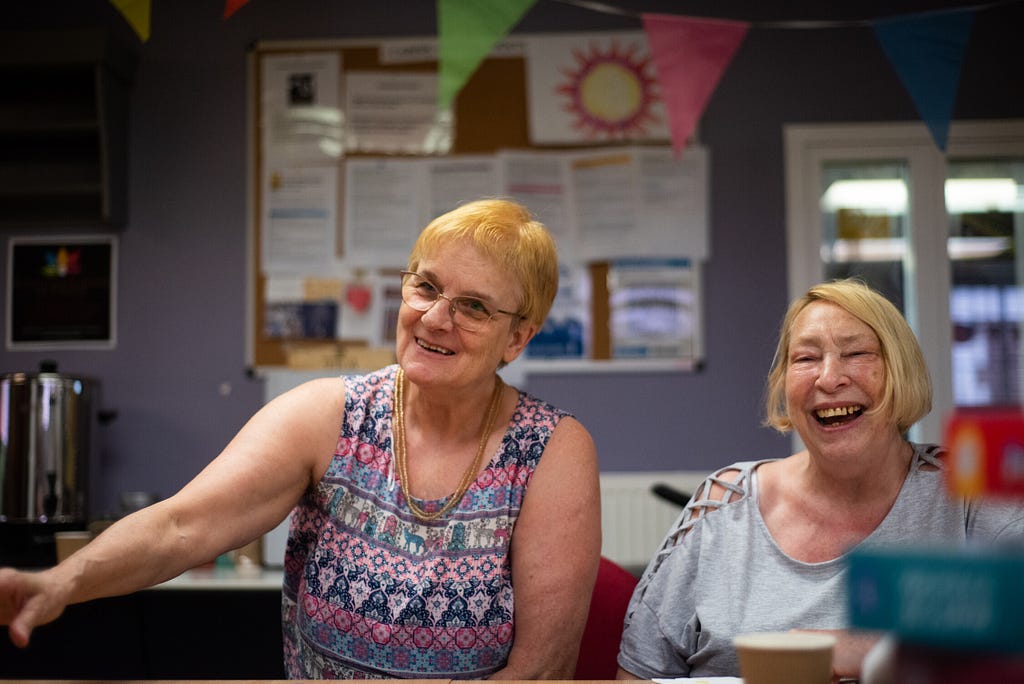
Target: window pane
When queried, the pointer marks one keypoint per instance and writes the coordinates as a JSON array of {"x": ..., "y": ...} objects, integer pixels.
[
  {"x": 985, "y": 204},
  {"x": 864, "y": 224}
]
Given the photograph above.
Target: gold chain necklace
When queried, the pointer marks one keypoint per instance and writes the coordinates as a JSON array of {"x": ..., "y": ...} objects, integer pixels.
[{"x": 398, "y": 447}]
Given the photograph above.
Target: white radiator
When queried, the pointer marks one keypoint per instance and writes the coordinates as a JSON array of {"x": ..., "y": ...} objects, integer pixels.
[{"x": 633, "y": 519}]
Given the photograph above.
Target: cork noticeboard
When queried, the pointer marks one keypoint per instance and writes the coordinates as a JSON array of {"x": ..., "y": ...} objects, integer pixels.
[{"x": 490, "y": 115}]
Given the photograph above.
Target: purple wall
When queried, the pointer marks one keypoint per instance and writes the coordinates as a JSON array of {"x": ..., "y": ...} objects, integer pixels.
[{"x": 181, "y": 315}]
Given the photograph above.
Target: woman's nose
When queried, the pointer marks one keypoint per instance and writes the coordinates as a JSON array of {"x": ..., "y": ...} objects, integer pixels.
[
  {"x": 833, "y": 372},
  {"x": 439, "y": 314}
]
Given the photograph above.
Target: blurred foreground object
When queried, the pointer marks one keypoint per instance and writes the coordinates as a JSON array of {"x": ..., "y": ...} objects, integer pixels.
[
  {"x": 949, "y": 598},
  {"x": 986, "y": 452},
  {"x": 951, "y": 614}
]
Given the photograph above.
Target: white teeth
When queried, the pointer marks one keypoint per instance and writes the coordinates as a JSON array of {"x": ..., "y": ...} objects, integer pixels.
[
  {"x": 838, "y": 411},
  {"x": 431, "y": 347}
]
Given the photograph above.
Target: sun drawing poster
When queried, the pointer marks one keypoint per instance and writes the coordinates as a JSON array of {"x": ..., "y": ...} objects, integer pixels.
[{"x": 593, "y": 88}]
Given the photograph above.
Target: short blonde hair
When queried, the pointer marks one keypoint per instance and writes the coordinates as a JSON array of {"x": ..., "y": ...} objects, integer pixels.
[
  {"x": 506, "y": 232},
  {"x": 907, "y": 394}
]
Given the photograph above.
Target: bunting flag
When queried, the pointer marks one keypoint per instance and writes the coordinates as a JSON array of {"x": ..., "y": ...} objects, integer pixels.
[
  {"x": 232, "y": 6},
  {"x": 137, "y": 14},
  {"x": 927, "y": 53},
  {"x": 467, "y": 30},
  {"x": 690, "y": 56}
]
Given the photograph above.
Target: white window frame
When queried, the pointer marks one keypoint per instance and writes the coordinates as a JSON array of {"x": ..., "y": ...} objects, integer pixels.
[{"x": 808, "y": 147}]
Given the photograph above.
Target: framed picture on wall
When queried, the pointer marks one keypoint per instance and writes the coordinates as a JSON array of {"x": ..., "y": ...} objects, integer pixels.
[{"x": 61, "y": 292}]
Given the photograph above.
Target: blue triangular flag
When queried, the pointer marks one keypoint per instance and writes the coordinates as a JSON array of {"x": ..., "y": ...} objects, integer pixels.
[{"x": 927, "y": 53}]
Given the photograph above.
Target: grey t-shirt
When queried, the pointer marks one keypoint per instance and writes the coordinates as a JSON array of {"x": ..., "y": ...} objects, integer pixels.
[{"x": 722, "y": 574}]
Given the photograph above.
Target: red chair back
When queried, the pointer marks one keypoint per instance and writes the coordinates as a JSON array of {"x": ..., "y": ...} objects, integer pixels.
[{"x": 600, "y": 646}]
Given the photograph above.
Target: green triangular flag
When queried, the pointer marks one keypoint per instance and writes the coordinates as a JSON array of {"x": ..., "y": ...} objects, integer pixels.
[{"x": 467, "y": 30}]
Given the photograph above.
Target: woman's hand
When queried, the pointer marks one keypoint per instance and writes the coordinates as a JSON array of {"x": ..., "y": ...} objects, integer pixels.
[
  {"x": 849, "y": 652},
  {"x": 28, "y": 599},
  {"x": 244, "y": 492}
]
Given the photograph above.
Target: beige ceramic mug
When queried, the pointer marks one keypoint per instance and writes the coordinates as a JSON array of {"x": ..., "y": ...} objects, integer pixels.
[
  {"x": 785, "y": 657},
  {"x": 69, "y": 542}
]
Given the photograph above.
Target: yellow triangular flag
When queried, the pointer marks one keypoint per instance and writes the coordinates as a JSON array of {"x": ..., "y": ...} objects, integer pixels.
[{"x": 137, "y": 14}]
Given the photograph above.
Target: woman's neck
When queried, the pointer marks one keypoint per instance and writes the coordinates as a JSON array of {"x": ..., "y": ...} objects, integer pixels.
[
  {"x": 815, "y": 515},
  {"x": 449, "y": 415},
  {"x": 874, "y": 481}
]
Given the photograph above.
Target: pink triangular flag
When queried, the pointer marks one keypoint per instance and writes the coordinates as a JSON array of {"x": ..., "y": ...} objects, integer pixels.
[
  {"x": 690, "y": 56},
  {"x": 232, "y": 6}
]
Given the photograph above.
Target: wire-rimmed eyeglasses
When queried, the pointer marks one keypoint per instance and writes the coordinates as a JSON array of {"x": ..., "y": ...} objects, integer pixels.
[{"x": 469, "y": 313}]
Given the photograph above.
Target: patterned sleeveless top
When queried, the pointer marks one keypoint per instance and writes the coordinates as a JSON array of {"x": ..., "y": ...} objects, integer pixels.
[{"x": 370, "y": 591}]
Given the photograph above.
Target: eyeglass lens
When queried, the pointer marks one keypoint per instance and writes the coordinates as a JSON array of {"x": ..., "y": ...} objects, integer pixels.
[{"x": 468, "y": 313}]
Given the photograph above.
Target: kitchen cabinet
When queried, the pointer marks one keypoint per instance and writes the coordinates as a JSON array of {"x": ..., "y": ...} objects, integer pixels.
[{"x": 63, "y": 129}]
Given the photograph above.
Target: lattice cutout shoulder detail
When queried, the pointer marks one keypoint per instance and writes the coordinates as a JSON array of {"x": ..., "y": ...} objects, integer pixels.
[
  {"x": 702, "y": 502},
  {"x": 713, "y": 493}
]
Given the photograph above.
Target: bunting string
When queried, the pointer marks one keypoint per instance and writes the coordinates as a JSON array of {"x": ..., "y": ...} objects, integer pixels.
[
  {"x": 813, "y": 24},
  {"x": 690, "y": 54}
]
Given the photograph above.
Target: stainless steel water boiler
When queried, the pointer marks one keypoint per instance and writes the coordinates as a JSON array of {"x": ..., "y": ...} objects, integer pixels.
[{"x": 46, "y": 429}]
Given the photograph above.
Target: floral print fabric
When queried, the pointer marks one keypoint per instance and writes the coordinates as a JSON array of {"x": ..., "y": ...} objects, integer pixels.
[{"x": 371, "y": 591}]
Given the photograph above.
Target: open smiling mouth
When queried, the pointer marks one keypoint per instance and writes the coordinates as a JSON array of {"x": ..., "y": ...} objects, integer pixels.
[
  {"x": 838, "y": 415},
  {"x": 430, "y": 347}
]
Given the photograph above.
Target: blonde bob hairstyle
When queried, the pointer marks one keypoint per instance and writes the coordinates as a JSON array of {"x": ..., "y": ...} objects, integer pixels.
[
  {"x": 907, "y": 393},
  {"x": 506, "y": 233}
]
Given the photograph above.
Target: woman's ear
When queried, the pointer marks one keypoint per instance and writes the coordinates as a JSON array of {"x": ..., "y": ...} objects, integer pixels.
[{"x": 518, "y": 338}]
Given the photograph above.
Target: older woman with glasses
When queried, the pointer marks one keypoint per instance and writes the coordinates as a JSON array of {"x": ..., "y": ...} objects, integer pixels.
[{"x": 445, "y": 524}]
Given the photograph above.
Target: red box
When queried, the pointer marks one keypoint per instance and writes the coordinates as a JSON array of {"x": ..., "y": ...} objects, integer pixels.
[{"x": 986, "y": 452}]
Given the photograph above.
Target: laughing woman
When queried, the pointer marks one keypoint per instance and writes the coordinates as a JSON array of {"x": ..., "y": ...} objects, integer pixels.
[
  {"x": 762, "y": 545},
  {"x": 444, "y": 524}
]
